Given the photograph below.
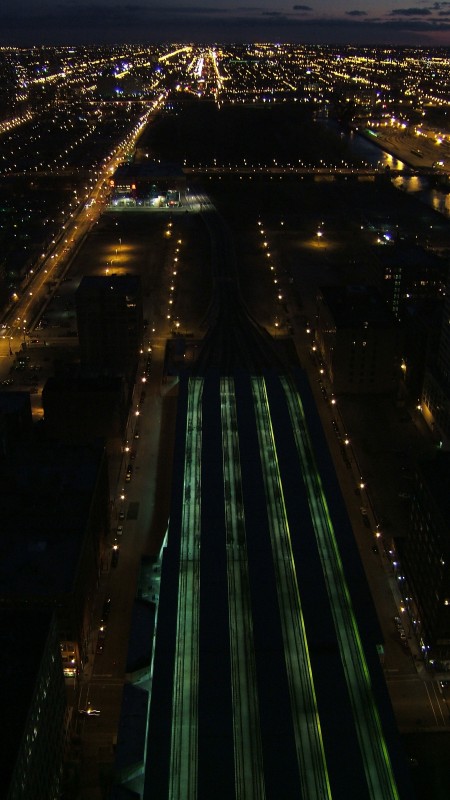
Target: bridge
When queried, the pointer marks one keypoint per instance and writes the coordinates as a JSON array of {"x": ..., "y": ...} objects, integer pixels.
[
  {"x": 332, "y": 172},
  {"x": 324, "y": 171}
]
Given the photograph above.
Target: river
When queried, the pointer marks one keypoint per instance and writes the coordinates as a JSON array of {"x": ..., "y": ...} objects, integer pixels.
[{"x": 361, "y": 148}]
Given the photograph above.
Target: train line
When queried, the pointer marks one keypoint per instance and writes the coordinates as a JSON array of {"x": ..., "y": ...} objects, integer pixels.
[
  {"x": 378, "y": 769},
  {"x": 234, "y": 338},
  {"x": 253, "y": 584},
  {"x": 184, "y": 744},
  {"x": 249, "y": 771},
  {"x": 305, "y": 718}
]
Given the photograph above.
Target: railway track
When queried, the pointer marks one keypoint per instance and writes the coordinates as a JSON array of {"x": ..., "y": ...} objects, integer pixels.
[
  {"x": 374, "y": 751},
  {"x": 249, "y": 771},
  {"x": 235, "y": 341},
  {"x": 234, "y": 338},
  {"x": 305, "y": 717},
  {"x": 184, "y": 745}
]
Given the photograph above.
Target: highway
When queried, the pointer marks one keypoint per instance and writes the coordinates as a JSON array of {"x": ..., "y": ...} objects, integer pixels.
[{"x": 24, "y": 311}]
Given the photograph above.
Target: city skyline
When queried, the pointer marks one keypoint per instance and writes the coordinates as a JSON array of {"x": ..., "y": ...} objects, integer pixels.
[{"x": 390, "y": 22}]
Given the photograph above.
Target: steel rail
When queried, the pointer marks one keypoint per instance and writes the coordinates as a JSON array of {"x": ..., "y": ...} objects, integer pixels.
[
  {"x": 249, "y": 770},
  {"x": 184, "y": 744},
  {"x": 374, "y": 752},
  {"x": 313, "y": 771}
]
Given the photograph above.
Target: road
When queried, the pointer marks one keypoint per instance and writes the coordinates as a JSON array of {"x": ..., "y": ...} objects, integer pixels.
[
  {"x": 20, "y": 318},
  {"x": 420, "y": 151}
]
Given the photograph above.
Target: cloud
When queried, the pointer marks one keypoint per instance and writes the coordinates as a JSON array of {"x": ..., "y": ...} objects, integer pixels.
[
  {"x": 174, "y": 9},
  {"x": 128, "y": 23},
  {"x": 410, "y": 12}
]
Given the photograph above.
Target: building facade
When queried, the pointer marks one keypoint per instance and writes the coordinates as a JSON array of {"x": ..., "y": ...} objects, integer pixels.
[
  {"x": 110, "y": 323},
  {"x": 426, "y": 558},
  {"x": 358, "y": 340},
  {"x": 435, "y": 400},
  {"x": 34, "y": 703}
]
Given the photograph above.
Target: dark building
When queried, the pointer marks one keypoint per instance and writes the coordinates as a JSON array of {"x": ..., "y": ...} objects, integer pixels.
[
  {"x": 358, "y": 340},
  {"x": 408, "y": 274},
  {"x": 435, "y": 399},
  {"x": 54, "y": 502},
  {"x": 82, "y": 408},
  {"x": 422, "y": 330},
  {"x": 435, "y": 404},
  {"x": 13, "y": 92},
  {"x": 16, "y": 421},
  {"x": 110, "y": 323},
  {"x": 33, "y": 702},
  {"x": 425, "y": 558}
]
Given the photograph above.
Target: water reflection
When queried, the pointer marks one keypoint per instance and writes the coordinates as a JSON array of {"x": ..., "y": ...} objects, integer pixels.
[
  {"x": 440, "y": 201},
  {"x": 437, "y": 199},
  {"x": 386, "y": 160},
  {"x": 360, "y": 147},
  {"x": 411, "y": 183}
]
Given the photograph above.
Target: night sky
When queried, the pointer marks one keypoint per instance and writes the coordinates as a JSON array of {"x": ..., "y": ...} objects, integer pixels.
[{"x": 394, "y": 22}]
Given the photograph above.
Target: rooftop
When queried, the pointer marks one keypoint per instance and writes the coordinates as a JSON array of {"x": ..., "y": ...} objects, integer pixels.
[
  {"x": 357, "y": 306},
  {"x": 45, "y": 497}
]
